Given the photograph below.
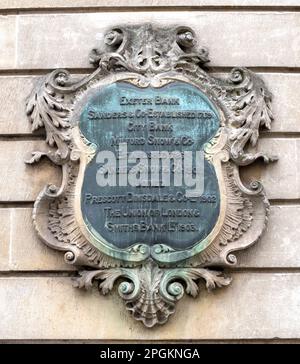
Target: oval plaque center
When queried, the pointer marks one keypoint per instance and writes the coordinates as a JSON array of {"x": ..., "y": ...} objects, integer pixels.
[{"x": 149, "y": 181}]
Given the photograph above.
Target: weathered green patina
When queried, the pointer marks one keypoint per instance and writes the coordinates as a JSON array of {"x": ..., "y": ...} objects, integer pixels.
[{"x": 176, "y": 117}]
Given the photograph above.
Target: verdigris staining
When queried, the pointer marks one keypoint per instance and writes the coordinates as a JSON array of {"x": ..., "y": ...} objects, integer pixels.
[{"x": 124, "y": 119}]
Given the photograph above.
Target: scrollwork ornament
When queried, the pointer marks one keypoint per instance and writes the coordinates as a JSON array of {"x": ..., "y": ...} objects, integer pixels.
[{"x": 151, "y": 279}]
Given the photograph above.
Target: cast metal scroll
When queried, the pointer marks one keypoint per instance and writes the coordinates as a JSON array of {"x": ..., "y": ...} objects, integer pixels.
[{"x": 149, "y": 282}]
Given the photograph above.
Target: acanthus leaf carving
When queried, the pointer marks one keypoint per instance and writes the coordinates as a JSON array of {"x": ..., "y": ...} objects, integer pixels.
[
  {"x": 247, "y": 104},
  {"x": 250, "y": 109},
  {"x": 48, "y": 109}
]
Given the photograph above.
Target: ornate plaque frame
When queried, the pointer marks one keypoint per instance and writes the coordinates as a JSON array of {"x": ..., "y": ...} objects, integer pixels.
[{"x": 152, "y": 279}]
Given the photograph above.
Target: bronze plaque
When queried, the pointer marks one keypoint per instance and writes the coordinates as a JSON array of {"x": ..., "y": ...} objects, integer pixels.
[{"x": 150, "y": 146}]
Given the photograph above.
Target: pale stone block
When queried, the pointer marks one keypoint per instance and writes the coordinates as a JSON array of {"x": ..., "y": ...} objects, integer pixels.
[
  {"x": 244, "y": 39},
  {"x": 7, "y": 41},
  {"x": 19, "y": 181},
  {"x": 15, "y": 91},
  {"x": 281, "y": 178},
  {"x": 278, "y": 245},
  {"x": 276, "y": 248},
  {"x": 27, "y": 251},
  {"x": 5, "y": 238},
  {"x": 285, "y": 102},
  {"x": 50, "y": 308},
  {"x": 45, "y": 4}
]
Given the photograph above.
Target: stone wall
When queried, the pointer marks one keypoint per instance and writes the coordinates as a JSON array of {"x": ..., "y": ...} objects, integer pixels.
[{"x": 37, "y": 301}]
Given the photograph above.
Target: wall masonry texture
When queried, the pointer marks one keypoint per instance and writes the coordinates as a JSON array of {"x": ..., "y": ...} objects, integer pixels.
[
  {"x": 37, "y": 300},
  {"x": 28, "y": 48},
  {"x": 49, "y": 308}
]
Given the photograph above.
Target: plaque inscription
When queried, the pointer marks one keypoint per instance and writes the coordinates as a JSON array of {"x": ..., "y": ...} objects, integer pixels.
[
  {"x": 175, "y": 118},
  {"x": 150, "y": 146}
]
